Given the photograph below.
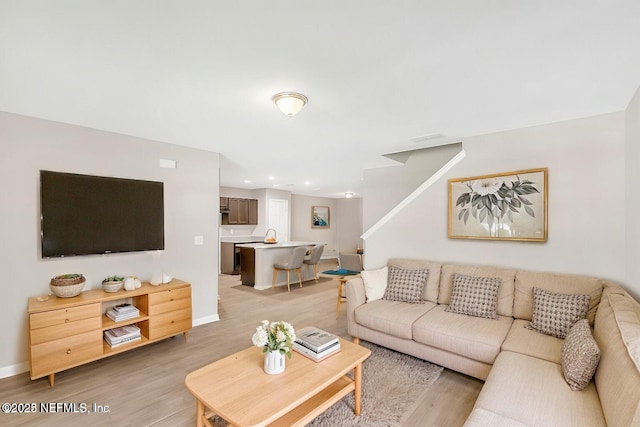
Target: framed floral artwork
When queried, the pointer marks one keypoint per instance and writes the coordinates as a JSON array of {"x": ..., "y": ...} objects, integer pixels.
[
  {"x": 505, "y": 206},
  {"x": 320, "y": 217}
]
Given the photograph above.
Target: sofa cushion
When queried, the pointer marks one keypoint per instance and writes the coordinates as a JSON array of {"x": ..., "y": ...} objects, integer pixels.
[
  {"x": 504, "y": 306},
  {"x": 521, "y": 339},
  {"x": 405, "y": 285},
  {"x": 482, "y": 418},
  {"x": 375, "y": 283},
  {"x": 617, "y": 369},
  {"x": 563, "y": 283},
  {"x": 554, "y": 313},
  {"x": 473, "y": 337},
  {"x": 474, "y": 296},
  {"x": 391, "y": 317},
  {"x": 540, "y": 396},
  {"x": 580, "y": 355},
  {"x": 430, "y": 292}
]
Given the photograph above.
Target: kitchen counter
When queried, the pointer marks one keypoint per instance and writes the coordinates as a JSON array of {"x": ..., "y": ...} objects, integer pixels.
[{"x": 257, "y": 261}]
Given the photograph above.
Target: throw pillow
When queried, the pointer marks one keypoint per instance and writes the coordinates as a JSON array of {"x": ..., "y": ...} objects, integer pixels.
[
  {"x": 375, "y": 283},
  {"x": 580, "y": 355},
  {"x": 474, "y": 296},
  {"x": 554, "y": 314},
  {"x": 405, "y": 285}
]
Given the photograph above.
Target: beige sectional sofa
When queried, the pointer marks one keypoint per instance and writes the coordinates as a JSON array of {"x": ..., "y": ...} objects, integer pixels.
[{"x": 522, "y": 368}]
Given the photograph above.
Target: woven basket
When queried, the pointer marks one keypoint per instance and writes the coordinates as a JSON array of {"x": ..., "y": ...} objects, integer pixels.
[
  {"x": 67, "y": 290},
  {"x": 67, "y": 281}
]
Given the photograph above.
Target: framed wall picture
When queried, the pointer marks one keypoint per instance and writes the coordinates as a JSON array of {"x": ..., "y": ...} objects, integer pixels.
[
  {"x": 504, "y": 206},
  {"x": 320, "y": 217}
]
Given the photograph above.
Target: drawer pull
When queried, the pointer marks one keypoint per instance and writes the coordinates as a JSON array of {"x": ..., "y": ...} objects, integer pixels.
[
  {"x": 68, "y": 351},
  {"x": 66, "y": 320},
  {"x": 171, "y": 299},
  {"x": 173, "y": 321}
]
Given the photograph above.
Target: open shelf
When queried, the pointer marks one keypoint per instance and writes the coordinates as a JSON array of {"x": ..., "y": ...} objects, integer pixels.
[
  {"x": 108, "y": 323},
  {"x": 107, "y": 350}
]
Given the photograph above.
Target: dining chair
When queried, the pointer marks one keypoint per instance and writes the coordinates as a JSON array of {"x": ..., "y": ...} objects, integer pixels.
[
  {"x": 294, "y": 263},
  {"x": 314, "y": 258}
]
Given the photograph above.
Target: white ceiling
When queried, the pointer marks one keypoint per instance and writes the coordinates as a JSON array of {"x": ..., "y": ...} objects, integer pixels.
[{"x": 378, "y": 74}]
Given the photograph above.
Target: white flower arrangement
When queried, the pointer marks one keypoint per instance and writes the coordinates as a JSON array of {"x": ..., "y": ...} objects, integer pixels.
[{"x": 274, "y": 336}]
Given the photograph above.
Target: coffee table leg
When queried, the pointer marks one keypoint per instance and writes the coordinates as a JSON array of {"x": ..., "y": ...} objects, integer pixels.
[
  {"x": 199, "y": 413},
  {"x": 357, "y": 393}
]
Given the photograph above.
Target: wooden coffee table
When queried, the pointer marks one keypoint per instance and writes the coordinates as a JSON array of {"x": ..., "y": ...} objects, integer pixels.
[{"x": 237, "y": 388}]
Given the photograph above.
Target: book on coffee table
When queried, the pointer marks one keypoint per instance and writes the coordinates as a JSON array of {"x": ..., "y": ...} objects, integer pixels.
[
  {"x": 315, "y": 339},
  {"x": 317, "y": 357}
]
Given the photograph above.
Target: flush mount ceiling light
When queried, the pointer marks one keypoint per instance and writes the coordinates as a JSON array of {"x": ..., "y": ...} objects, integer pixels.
[{"x": 290, "y": 103}]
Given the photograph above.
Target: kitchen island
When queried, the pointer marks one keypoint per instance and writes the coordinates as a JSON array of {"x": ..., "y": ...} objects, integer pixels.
[{"x": 257, "y": 261}]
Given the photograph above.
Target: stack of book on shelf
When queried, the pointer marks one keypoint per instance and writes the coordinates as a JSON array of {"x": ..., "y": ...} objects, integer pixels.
[
  {"x": 123, "y": 312},
  {"x": 122, "y": 335},
  {"x": 315, "y": 343}
]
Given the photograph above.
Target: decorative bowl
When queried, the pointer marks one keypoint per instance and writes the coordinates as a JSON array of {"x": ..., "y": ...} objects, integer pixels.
[
  {"x": 67, "y": 285},
  {"x": 112, "y": 285}
]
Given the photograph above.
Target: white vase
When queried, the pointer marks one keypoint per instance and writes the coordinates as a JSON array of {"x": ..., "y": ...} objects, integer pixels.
[{"x": 273, "y": 362}]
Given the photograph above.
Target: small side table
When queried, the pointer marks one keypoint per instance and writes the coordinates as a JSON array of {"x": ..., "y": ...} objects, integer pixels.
[{"x": 342, "y": 276}]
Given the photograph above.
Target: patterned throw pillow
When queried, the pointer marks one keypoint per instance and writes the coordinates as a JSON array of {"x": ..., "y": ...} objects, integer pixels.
[
  {"x": 554, "y": 314},
  {"x": 580, "y": 355},
  {"x": 474, "y": 296},
  {"x": 405, "y": 285}
]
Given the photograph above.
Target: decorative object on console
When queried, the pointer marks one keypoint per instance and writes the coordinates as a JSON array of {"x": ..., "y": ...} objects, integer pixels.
[
  {"x": 276, "y": 340},
  {"x": 166, "y": 278},
  {"x": 320, "y": 217},
  {"x": 67, "y": 285},
  {"x": 112, "y": 283},
  {"x": 505, "y": 206},
  {"x": 131, "y": 284},
  {"x": 156, "y": 279}
]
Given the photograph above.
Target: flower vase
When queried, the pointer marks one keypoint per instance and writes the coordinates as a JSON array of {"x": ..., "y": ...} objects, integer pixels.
[{"x": 273, "y": 362}]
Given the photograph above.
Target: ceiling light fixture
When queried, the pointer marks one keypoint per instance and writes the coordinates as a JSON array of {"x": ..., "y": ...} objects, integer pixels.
[
  {"x": 348, "y": 195},
  {"x": 290, "y": 103}
]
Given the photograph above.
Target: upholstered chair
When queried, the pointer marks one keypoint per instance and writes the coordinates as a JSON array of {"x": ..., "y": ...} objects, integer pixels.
[
  {"x": 313, "y": 258},
  {"x": 350, "y": 261},
  {"x": 294, "y": 263}
]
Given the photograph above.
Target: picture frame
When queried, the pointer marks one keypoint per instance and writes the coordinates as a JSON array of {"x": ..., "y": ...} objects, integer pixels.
[
  {"x": 320, "y": 217},
  {"x": 503, "y": 206}
]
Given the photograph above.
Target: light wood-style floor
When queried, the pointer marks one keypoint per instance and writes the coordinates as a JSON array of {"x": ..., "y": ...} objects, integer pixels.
[{"x": 145, "y": 386}]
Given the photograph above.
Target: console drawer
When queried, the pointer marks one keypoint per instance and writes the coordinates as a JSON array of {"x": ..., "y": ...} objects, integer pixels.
[
  {"x": 171, "y": 323},
  {"x": 64, "y": 353},
  {"x": 64, "y": 315},
  {"x": 55, "y": 332},
  {"x": 173, "y": 299}
]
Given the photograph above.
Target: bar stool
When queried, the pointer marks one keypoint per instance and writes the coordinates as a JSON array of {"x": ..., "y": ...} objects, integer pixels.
[
  {"x": 294, "y": 263},
  {"x": 313, "y": 259}
]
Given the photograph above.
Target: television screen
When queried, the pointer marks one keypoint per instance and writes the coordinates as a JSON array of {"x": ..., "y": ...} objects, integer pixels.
[{"x": 84, "y": 214}]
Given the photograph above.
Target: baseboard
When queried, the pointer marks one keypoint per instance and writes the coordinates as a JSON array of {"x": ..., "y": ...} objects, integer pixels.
[
  {"x": 11, "y": 370},
  {"x": 205, "y": 320}
]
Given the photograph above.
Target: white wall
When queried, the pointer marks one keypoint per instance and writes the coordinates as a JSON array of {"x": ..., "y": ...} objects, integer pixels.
[
  {"x": 349, "y": 224},
  {"x": 632, "y": 196},
  {"x": 191, "y": 208},
  {"x": 585, "y": 159}
]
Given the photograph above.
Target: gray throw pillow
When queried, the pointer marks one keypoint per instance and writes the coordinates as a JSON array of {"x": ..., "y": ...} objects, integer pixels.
[
  {"x": 474, "y": 296},
  {"x": 554, "y": 314},
  {"x": 580, "y": 355},
  {"x": 405, "y": 285}
]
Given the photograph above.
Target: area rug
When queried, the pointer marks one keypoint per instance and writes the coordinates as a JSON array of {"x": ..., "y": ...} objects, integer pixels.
[{"x": 393, "y": 384}]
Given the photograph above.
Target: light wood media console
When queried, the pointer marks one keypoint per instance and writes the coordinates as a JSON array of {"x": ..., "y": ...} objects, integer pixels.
[{"x": 68, "y": 332}]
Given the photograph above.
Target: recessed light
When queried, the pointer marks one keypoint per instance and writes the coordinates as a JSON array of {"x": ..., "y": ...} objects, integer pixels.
[
  {"x": 348, "y": 195},
  {"x": 307, "y": 183},
  {"x": 426, "y": 137},
  {"x": 271, "y": 178},
  {"x": 276, "y": 185},
  {"x": 247, "y": 181}
]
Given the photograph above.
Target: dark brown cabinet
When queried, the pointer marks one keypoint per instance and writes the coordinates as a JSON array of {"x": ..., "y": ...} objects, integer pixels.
[{"x": 240, "y": 212}]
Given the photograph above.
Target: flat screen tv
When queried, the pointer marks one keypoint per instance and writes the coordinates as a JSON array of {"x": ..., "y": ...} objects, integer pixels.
[{"x": 86, "y": 215}]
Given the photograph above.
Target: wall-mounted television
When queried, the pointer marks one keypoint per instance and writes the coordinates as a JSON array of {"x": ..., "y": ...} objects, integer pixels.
[{"x": 86, "y": 215}]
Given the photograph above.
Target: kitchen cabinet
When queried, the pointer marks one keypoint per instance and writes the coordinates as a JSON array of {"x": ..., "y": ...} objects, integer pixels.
[
  {"x": 224, "y": 204},
  {"x": 240, "y": 212}
]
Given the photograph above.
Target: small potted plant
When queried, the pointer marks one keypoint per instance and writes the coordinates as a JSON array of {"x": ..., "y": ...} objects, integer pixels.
[{"x": 112, "y": 283}]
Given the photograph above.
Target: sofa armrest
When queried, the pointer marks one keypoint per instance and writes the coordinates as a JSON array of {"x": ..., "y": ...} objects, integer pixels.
[{"x": 355, "y": 298}]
